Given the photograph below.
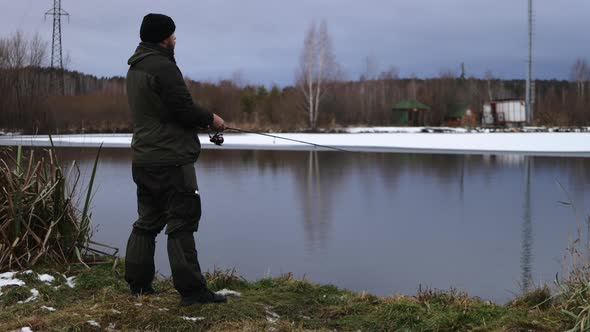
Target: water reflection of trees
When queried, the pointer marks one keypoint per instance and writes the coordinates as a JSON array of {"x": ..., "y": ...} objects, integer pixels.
[
  {"x": 573, "y": 173},
  {"x": 320, "y": 177},
  {"x": 527, "y": 229},
  {"x": 316, "y": 204},
  {"x": 118, "y": 156}
]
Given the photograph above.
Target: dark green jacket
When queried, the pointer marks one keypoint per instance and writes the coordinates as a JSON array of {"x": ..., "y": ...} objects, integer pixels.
[{"x": 165, "y": 118}]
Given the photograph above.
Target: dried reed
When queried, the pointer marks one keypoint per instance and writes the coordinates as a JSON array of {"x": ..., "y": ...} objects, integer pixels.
[{"x": 39, "y": 220}]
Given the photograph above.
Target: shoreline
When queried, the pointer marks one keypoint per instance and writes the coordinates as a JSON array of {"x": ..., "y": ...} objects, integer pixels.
[{"x": 551, "y": 144}]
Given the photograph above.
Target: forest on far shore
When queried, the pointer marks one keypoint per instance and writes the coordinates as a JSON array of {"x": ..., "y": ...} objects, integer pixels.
[{"x": 32, "y": 102}]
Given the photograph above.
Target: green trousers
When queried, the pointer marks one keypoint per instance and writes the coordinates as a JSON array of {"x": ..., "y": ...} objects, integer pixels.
[{"x": 167, "y": 196}]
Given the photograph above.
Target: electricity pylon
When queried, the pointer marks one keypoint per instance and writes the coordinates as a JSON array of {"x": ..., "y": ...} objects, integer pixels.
[{"x": 56, "y": 51}]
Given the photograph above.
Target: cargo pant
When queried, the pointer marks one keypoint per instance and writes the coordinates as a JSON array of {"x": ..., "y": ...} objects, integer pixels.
[{"x": 167, "y": 196}]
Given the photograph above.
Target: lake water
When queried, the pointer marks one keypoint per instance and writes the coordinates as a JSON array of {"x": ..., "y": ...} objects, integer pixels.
[{"x": 378, "y": 222}]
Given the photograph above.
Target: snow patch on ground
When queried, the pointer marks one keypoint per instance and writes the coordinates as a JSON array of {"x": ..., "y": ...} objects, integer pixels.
[
  {"x": 34, "y": 296},
  {"x": 7, "y": 275},
  {"x": 25, "y": 329},
  {"x": 271, "y": 317},
  {"x": 93, "y": 323},
  {"x": 46, "y": 278},
  {"x": 193, "y": 319},
  {"x": 70, "y": 281},
  {"x": 7, "y": 279},
  {"x": 226, "y": 292},
  {"x": 48, "y": 308},
  {"x": 11, "y": 282}
]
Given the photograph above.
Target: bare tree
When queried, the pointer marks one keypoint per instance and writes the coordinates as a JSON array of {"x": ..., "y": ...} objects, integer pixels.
[
  {"x": 580, "y": 74},
  {"x": 238, "y": 78},
  {"x": 317, "y": 66},
  {"x": 21, "y": 88},
  {"x": 367, "y": 88},
  {"x": 37, "y": 49},
  {"x": 17, "y": 51},
  {"x": 389, "y": 90},
  {"x": 3, "y": 53},
  {"x": 447, "y": 73},
  {"x": 370, "y": 68},
  {"x": 390, "y": 74},
  {"x": 413, "y": 87}
]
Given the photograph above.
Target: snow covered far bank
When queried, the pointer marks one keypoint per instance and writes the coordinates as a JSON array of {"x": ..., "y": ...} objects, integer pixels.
[
  {"x": 549, "y": 144},
  {"x": 359, "y": 130},
  {"x": 407, "y": 130}
]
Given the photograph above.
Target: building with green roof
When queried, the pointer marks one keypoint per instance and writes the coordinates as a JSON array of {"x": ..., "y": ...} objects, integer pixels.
[
  {"x": 410, "y": 113},
  {"x": 460, "y": 115}
]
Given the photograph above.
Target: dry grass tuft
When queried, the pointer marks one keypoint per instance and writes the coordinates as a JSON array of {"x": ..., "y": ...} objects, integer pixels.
[{"x": 39, "y": 220}]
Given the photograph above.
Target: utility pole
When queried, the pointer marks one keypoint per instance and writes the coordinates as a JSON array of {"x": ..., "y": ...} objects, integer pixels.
[
  {"x": 530, "y": 85},
  {"x": 56, "y": 51},
  {"x": 462, "y": 71}
]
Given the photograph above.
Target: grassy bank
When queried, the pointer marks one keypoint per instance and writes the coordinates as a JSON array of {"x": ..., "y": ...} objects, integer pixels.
[{"x": 100, "y": 300}]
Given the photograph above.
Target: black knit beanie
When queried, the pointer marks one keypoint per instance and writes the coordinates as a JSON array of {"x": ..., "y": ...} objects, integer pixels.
[{"x": 156, "y": 27}]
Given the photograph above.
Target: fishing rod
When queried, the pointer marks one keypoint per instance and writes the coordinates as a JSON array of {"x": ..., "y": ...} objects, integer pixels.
[{"x": 217, "y": 139}]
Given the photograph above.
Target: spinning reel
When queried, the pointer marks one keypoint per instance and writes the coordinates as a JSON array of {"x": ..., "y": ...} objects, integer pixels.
[{"x": 216, "y": 139}]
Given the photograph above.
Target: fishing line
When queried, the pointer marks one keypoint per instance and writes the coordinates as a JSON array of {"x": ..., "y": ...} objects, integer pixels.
[{"x": 217, "y": 139}]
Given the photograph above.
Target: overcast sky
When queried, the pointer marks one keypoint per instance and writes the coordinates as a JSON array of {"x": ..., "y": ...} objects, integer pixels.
[{"x": 262, "y": 39}]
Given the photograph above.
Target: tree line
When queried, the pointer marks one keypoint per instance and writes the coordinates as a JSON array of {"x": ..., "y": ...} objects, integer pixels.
[{"x": 319, "y": 98}]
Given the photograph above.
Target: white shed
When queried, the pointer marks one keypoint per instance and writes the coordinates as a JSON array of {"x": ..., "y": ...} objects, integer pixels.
[{"x": 504, "y": 112}]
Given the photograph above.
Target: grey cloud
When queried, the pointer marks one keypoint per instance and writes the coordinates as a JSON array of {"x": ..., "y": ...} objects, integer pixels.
[{"x": 262, "y": 38}]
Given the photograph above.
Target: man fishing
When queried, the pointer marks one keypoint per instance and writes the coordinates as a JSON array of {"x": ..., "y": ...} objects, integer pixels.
[{"x": 165, "y": 148}]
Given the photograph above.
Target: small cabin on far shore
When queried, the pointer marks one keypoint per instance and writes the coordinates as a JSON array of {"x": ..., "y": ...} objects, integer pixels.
[
  {"x": 460, "y": 115},
  {"x": 505, "y": 112},
  {"x": 410, "y": 113}
]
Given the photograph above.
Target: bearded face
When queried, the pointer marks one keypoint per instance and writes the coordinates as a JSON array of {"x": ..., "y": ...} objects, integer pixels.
[{"x": 170, "y": 42}]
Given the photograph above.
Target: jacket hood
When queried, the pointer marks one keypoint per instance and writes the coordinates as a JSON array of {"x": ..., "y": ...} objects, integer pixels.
[{"x": 147, "y": 49}]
